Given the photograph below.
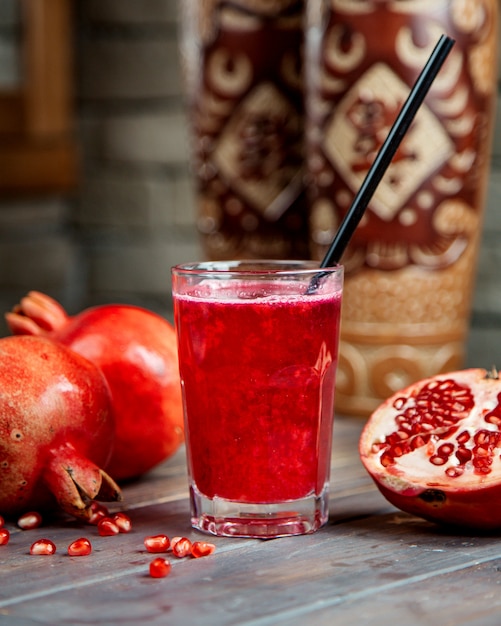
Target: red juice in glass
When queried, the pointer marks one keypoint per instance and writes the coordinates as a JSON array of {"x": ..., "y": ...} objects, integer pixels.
[{"x": 257, "y": 355}]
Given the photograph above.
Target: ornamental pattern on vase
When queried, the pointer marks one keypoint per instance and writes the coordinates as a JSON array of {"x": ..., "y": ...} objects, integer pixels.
[
  {"x": 427, "y": 206},
  {"x": 410, "y": 267},
  {"x": 243, "y": 68}
]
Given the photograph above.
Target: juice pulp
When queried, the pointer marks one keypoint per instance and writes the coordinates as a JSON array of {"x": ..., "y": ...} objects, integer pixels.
[{"x": 258, "y": 375}]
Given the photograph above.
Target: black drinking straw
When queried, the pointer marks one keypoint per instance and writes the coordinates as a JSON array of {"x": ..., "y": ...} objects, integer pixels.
[{"x": 387, "y": 151}]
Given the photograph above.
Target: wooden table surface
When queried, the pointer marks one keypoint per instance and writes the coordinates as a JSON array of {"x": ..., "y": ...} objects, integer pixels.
[{"x": 370, "y": 565}]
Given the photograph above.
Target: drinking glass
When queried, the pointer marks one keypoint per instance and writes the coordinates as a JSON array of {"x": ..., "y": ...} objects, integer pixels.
[{"x": 258, "y": 345}]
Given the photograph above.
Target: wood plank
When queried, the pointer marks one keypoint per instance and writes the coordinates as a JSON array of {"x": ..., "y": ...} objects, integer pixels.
[
  {"x": 256, "y": 582},
  {"x": 464, "y": 596},
  {"x": 371, "y": 564}
]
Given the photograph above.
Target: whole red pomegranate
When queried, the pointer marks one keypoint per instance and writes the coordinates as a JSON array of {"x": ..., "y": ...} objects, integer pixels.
[
  {"x": 56, "y": 429},
  {"x": 434, "y": 449},
  {"x": 137, "y": 352}
]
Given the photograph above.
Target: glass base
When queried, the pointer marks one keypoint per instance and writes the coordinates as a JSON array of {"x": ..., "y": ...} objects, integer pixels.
[{"x": 264, "y": 521}]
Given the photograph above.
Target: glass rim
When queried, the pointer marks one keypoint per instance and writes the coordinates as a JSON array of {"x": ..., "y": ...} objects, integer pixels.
[{"x": 254, "y": 267}]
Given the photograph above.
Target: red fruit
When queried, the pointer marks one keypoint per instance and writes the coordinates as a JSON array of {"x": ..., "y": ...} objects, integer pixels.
[
  {"x": 434, "y": 449},
  {"x": 123, "y": 522},
  {"x": 97, "y": 512},
  {"x": 56, "y": 429},
  {"x": 29, "y": 521},
  {"x": 159, "y": 568},
  {"x": 106, "y": 527},
  {"x": 44, "y": 547},
  {"x": 4, "y": 536},
  {"x": 157, "y": 543},
  {"x": 80, "y": 547},
  {"x": 137, "y": 352},
  {"x": 181, "y": 547},
  {"x": 202, "y": 548}
]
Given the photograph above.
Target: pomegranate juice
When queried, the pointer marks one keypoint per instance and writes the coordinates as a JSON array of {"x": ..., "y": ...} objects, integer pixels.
[{"x": 257, "y": 364}]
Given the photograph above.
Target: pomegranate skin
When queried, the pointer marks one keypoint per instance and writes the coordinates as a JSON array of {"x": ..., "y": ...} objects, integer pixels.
[
  {"x": 137, "y": 352},
  {"x": 406, "y": 459},
  {"x": 56, "y": 429}
]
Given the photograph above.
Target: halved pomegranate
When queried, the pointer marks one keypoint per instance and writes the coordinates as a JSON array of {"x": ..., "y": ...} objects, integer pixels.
[{"x": 434, "y": 449}]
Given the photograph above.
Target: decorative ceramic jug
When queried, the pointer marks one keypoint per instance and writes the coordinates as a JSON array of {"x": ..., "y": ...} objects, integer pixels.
[
  {"x": 411, "y": 264},
  {"x": 242, "y": 62}
]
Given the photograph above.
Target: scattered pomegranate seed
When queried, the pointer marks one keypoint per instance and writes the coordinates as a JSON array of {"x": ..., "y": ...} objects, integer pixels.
[
  {"x": 157, "y": 543},
  {"x": 30, "y": 520},
  {"x": 4, "y": 536},
  {"x": 123, "y": 522},
  {"x": 80, "y": 547},
  {"x": 106, "y": 527},
  {"x": 43, "y": 547},
  {"x": 98, "y": 511},
  {"x": 159, "y": 567},
  {"x": 202, "y": 548},
  {"x": 2, "y": 522},
  {"x": 181, "y": 547}
]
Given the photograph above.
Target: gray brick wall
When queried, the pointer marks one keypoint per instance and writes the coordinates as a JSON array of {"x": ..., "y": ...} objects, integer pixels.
[
  {"x": 133, "y": 215},
  {"x": 135, "y": 212}
]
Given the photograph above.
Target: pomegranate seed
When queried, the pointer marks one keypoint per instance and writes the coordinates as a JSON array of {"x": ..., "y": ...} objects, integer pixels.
[
  {"x": 445, "y": 450},
  {"x": 157, "y": 543},
  {"x": 181, "y": 547},
  {"x": 463, "y": 437},
  {"x": 482, "y": 459},
  {"x": 448, "y": 433},
  {"x": 80, "y": 547},
  {"x": 410, "y": 413},
  {"x": 43, "y": 547},
  {"x": 399, "y": 403},
  {"x": 481, "y": 452},
  {"x": 417, "y": 442},
  {"x": 159, "y": 567},
  {"x": 400, "y": 448},
  {"x": 98, "y": 511},
  {"x": 454, "y": 472},
  {"x": 481, "y": 437},
  {"x": 4, "y": 536},
  {"x": 2, "y": 522},
  {"x": 493, "y": 419},
  {"x": 106, "y": 527},
  {"x": 463, "y": 455},
  {"x": 123, "y": 522},
  {"x": 30, "y": 520},
  {"x": 437, "y": 460},
  {"x": 494, "y": 416},
  {"x": 387, "y": 459},
  {"x": 202, "y": 548},
  {"x": 393, "y": 438}
]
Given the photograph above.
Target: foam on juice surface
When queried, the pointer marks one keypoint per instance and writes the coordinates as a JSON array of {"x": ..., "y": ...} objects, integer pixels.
[{"x": 251, "y": 291}]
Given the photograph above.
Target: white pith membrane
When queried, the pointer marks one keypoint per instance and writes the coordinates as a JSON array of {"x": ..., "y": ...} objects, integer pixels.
[{"x": 413, "y": 470}]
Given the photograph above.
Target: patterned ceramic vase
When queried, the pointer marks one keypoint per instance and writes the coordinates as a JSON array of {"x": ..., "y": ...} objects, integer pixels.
[
  {"x": 242, "y": 64},
  {"x": 411, "y": 265}
]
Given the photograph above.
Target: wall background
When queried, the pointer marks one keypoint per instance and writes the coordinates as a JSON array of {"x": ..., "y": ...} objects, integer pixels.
[{"x": 133, "y": 216}]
